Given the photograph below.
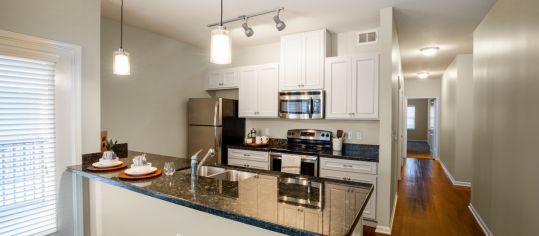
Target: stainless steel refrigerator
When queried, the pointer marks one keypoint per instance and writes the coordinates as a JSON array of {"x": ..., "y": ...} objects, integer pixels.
[{"x": 214, "y": 123}]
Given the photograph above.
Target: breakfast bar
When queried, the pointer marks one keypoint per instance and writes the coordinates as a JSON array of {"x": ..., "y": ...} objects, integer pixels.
[{"x": 265, "y": 200}]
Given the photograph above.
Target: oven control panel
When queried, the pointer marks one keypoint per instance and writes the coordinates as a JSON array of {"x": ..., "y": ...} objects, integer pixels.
[{"x": 310, "y": 134}]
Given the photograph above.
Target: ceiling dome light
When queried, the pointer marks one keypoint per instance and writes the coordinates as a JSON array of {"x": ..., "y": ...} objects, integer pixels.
[
  {"x": 120, "y": 62},
  {"x": 279, "y": 24},
  {"x": 429, "y": 51},
  {"x": 423, "y": 74},
  {"x": 221, "y": 45},
  {"x": 248, "y": 30}
]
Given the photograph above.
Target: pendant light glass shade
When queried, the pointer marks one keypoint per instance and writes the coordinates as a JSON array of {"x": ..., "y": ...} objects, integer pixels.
[
  {"x": 121, "y": 64},
  {"x": 221, "y": 46}
]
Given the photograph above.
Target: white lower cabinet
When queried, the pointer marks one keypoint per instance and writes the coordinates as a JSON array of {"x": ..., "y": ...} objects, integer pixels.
[
  {"x": 357, "y": 171},
  {"x": 259, "y": 91},
  {"x": 250, "y": 159},
  {"x": 300, "y": 217},
  {"x": 257, "y": 197}
]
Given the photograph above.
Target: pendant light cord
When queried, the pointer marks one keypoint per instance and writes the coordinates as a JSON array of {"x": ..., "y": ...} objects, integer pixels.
[
  {"x": 122, "y": 25},
  {"x": 221, "y": 13}
]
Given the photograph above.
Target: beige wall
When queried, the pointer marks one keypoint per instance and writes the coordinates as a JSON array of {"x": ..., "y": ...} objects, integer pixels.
[
  {"x": 456, "y": 118},
  {"x": 148, "y": 109},
  {"x": 506, "y": 85},
  {"x": 69, "y": 21},
  {"x": 423, "y": 88},
  {"x": 421, "y": 120}
]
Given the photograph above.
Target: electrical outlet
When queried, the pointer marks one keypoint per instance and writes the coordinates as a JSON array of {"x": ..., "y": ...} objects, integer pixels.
[
  {"x": 359, "y": 135},
  {"x": 350, "y": 135}
]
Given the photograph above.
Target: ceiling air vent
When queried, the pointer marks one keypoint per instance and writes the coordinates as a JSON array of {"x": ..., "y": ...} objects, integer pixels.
[{"x": 367, "y": 37}]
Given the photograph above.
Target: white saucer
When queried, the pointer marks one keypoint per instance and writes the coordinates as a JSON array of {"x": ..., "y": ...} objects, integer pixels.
[
  {"x": 106, "y": 164},
  {"x": 140, "y": 171}
]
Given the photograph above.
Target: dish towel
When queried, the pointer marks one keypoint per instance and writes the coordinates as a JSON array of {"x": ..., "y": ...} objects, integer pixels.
[{"x": 291, "y": 164}]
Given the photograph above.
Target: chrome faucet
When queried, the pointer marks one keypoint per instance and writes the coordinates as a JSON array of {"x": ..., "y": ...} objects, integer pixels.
[{"x": 194, "y": 159}]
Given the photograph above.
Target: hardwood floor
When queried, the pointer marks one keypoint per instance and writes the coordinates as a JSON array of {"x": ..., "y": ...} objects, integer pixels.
[
  {"x": 428, "y": 204},
  {"x": 419, "y": 155}
]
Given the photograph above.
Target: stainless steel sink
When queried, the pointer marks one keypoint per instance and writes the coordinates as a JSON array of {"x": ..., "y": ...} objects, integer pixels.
[
  {"x": 233, "y": 175},
  {"x": 207, "y": 171},
  {"x": 222, "y": 173}
]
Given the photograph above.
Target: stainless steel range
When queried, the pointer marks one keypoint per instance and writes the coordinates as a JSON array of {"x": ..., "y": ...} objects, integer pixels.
[{"x": 304, "y": 144}]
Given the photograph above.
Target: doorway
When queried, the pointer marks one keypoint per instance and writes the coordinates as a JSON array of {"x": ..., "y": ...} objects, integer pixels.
[{"x": 422, "y": 122}]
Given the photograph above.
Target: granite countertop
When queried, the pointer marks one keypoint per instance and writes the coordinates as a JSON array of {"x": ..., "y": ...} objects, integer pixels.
[
  {"x": 359, "y": 152},
  {"x": 234, "y": 200}
]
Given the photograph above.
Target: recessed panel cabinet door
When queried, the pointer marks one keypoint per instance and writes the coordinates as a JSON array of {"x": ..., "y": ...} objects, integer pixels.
[
  {"x": 248, "y": 93},
  {"x": 268, "y": 88},
  {"x": 214, "y": 79},
  {"x": 338, "y": 88},
  {"x": 230, "y": 79},
  {"x": 365, "y": 82},
  {"x": 314, "y": 55},
  {"x": 291, "y": 62}
]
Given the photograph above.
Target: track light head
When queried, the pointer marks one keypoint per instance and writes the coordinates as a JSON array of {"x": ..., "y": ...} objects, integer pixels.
[
  {"x": 248, "y": 30},
  {"x": 279, "y": 24}
]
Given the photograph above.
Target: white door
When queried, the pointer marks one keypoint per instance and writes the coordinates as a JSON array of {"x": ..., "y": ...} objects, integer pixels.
[
  {"x": 248, "y": 92},
  {"x": 268, "y": 90},
  {"x": 338, "y": 88},
  {"x": 313, "y": 58},
  {"x": 365, "y": 84},
  {"x": 291, "y": 62}
]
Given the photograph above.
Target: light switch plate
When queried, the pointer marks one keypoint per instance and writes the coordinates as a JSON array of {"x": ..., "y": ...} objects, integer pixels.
[
  {"x": 350, "y": 135},
  {"x": 359, "y": 135}
]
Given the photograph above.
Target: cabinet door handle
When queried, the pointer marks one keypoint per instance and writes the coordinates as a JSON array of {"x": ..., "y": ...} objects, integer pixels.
[
  {"x": 347, "y": 166},
  {"x": 344, "y": 178},
  {"x": 246, "y": 155}
]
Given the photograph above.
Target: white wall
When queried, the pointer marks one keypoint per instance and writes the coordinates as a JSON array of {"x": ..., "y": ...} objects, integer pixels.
[
  {"x": 70, "y": 21},
  {"x": 506, "y": 85},
  {"x": 456, "y": 118},
  {"x": 148, "y": 109},
  {"x": 423, "y": 88}
]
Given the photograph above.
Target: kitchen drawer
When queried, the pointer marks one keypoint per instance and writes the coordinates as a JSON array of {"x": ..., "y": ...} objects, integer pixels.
[
  {"x": 248, "y": 163},
  {"x": 364, "y": 167},
  {"x": 248, "y": 155}
]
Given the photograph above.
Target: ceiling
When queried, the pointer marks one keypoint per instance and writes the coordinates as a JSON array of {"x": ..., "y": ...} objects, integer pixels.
[{"x": 420, "y": 23}]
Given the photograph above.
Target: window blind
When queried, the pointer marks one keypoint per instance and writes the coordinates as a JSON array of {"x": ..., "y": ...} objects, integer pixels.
[{"x": 27, "y": 147}]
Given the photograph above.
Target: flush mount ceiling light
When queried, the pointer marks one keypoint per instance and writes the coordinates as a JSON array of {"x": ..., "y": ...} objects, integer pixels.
[
  {"x": 423, "y": 74},
  {"x": 429, "y": 51},
  {"x": 248, "y": 30},
  {"x": 121, "y": 65},
  {"x": 221, "y": 45},
  {"x": 279, "y": 24}
]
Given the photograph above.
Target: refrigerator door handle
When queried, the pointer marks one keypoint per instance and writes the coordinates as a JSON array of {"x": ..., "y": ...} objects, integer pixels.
[{"x": 215, "y": 113}]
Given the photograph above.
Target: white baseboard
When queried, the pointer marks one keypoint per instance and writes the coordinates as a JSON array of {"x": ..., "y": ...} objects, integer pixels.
[
  {"x": 393, "y": 213},
  {"x": 383, "y": 230},
  {"x": 479, "y": 220},
  {"x": 453, "y": 181},
  {"x": 370, "y": 223}
]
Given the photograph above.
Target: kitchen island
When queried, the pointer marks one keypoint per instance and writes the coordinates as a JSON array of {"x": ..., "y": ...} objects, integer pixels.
[{"x": 270, "y": 201}]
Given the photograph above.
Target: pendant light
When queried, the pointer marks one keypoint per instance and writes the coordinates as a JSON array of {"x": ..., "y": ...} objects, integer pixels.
[
  {"x": 221, "y": 45},
  {"x": 121, "y": 64}
]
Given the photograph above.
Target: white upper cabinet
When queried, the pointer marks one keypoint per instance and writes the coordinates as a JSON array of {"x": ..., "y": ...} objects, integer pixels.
[
  {"x": 259, "y": 90},
  {"x": 352, "y": 87},
  {"x": 223, "y": 79},
  {"x": 302, "y": 60}
]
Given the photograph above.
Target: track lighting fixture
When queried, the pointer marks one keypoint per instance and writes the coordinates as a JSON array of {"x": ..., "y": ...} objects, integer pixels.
[
  {"x": 279, "y": 24},
  {"x": 248, "y": 30}
]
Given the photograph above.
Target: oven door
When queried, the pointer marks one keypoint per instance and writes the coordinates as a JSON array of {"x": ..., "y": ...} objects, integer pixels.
[
  {"x": 309, "y": 164},
  {"x": 301, "y": 105}
]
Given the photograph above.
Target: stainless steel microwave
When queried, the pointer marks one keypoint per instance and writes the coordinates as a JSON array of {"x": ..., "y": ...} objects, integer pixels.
[{"x": 302, "y": 104}]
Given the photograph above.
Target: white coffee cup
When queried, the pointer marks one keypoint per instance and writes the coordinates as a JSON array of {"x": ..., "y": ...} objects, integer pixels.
[
  {"x": 248, "y": 141},
  {"x": 265, "y": 139},
  {"x": 108, "y": 156},
  {"x": 258, "y": 140}
]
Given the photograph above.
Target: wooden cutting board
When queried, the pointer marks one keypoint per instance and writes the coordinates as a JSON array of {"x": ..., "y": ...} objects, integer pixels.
[
  {"x": 121, "y": 166},
  {"x": 123, "y": 175}
]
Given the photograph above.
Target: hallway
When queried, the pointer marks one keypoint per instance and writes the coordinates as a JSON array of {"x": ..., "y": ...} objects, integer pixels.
[{"x": 428, "y": 204}]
